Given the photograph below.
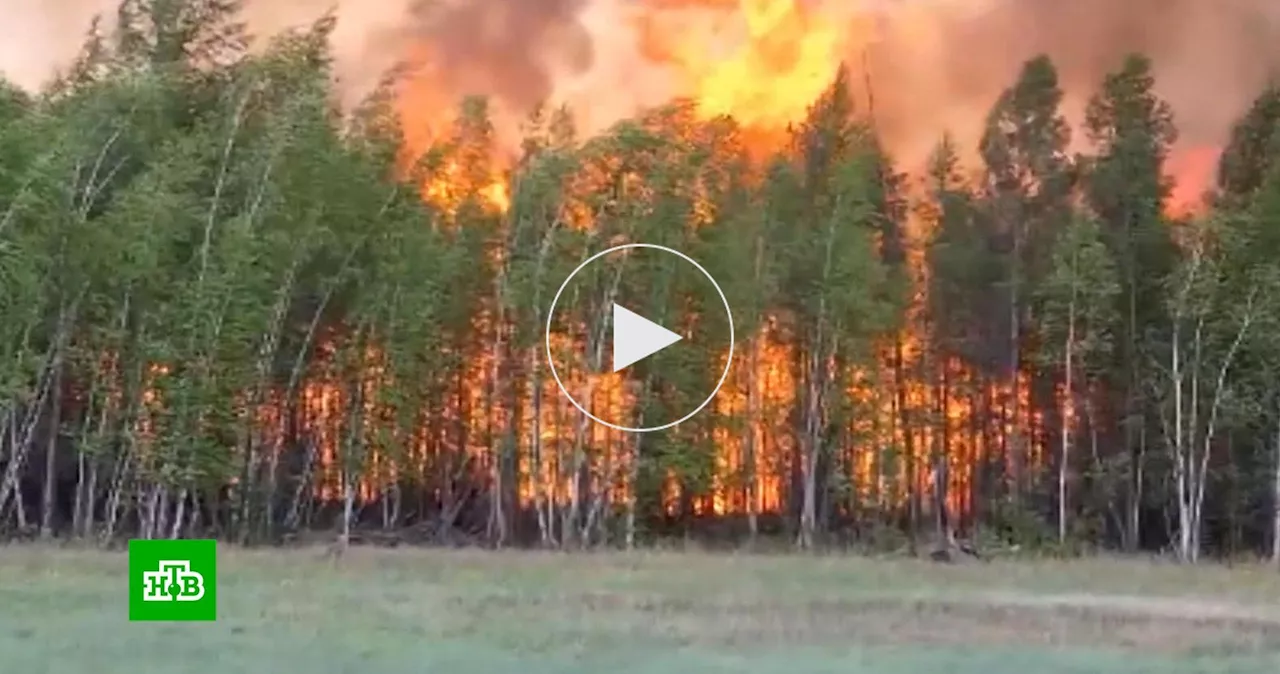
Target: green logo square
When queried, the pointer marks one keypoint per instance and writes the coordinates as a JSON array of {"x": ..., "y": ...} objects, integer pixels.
[{"x": 173, "y": 580}]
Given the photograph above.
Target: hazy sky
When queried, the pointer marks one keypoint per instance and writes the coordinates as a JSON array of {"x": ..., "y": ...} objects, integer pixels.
[{"x": 937, "y": 64}]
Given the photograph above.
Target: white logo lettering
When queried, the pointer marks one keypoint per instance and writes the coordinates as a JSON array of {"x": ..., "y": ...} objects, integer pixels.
[{"x": 173, "y": 581}]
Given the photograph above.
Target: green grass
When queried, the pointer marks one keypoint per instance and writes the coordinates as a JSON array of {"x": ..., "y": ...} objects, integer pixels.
[{"x": 473, "y": 612}]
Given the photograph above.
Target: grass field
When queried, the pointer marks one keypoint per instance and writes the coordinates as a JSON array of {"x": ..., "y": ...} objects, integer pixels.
[{"x": 473, "y": 612}]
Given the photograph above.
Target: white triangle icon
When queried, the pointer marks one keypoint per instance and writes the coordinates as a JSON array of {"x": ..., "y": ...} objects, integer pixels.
[{"x": 636, "y": 337}]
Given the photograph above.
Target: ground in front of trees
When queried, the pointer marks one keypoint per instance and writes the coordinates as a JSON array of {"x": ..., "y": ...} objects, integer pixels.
[{"x": 376, "y": 611}]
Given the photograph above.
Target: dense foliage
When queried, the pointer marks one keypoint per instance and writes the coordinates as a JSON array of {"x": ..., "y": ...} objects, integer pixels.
[{"x": 231, "y": 308}]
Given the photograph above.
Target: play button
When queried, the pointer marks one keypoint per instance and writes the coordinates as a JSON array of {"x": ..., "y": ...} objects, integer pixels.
[
  {"x": 636, "y": 337},
  {"x": 639, "y": 337}
]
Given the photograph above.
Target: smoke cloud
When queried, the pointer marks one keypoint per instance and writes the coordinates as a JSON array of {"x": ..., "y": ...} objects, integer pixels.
[
  {"x": 932, "y": 65},
  {"x": 509, "y": 49},
  {"x": 1211, "y": 58}
]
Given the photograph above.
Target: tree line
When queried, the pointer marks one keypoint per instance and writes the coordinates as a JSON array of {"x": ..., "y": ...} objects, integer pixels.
[{"x": 231, "y": 308}]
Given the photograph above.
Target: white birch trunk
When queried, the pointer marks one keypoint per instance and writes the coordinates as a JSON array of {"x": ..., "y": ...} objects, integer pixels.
[{"x": 1068, "y": 400}]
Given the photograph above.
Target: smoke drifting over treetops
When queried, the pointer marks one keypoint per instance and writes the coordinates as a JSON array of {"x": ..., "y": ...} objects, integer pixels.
[
  {"x": 1211, "y": 58},
  {"x": 933, "y": 65}
]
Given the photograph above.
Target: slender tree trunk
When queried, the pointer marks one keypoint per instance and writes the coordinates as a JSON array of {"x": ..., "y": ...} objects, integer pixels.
[
  {"x": 354, "y": 448},
  {"x": 1138, "y": 489},
  {"x": 161, "y": 522},
  {"x": 1013, "y": 445},
  {"x": 1181, "y": 461},
  {"x": 817, "y": 377},
  {"x": 147, "y": 512},
  {"x": 114, "y": 492},
  {"x": 569, "y": 517},
  {"x": 250, "y": 439},
  {"x": 1275, "y": 503},
  {"x": 941, "y": 445},
  {"x": 754, "y": 424},
  {"x": 555, "y": 489},
  {"x": 6, "y": 424},
  {"x": 91, "y": 498},
  {"x": 809, "y": 465},
  {"x": 633, "y": 466},
  {"x": 348, "y": 508},
  {"x": 497, "y": 520},
  {"x": 535, "y": 384},
  {"x": 503, "y": 400},
  {"x": 293, "y": 519},
  {"x": 51, "y": 452},
  {"x": 1201, "y": 473},
  {"x": 180, "y": 507},
  {"x": 20, "y": 509},
  {"x": 633, "y": 477},
  {"x": 911, "y": 465},
  {"x": 20, "y": 443},
  {"x": 595, "y": 347},
  {"x": 1137, "y": 450},
  {"x": 1068, "y": 406},
  {"x": 537, "y": 475},
  {"x": 82, "y": 483}
]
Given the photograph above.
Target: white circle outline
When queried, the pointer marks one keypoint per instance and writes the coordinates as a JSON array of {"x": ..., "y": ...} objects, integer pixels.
[{"x": 551, "y": 314}]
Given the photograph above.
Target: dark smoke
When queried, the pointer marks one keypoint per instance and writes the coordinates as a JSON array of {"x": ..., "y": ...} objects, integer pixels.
[
  {"x": 510, "y": 49},
  {"x": 938, "y": 64}
]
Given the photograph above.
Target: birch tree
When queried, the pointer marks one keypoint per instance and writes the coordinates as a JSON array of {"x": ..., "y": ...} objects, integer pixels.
[
  {"x": 1078, "y": 297},
  {"x": 1209, "y": 324}
]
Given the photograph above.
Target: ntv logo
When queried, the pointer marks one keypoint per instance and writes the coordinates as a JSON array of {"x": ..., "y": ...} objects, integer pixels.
[{"x": 173, "y": 580}]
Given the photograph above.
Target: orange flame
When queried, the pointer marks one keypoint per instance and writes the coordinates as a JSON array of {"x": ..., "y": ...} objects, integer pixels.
[
  {"x": 1193, "y": 171},
  {"x": 428, "y": 113},
  {"x": 447, "y": 188},
  {"x": 763, "y": 62}
]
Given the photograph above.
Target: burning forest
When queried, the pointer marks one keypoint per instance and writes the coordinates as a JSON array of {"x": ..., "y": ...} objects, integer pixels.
[{"x": 997, "y": 269}]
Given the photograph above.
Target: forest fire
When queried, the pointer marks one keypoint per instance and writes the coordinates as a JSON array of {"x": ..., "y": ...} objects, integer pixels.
[
  {"x": 768, "y": 76},
  {"x": 762, "y": 63},
  {"x": 429, "y": 119},
  {"x": 446, "y": 189},
  {"x": 928, "y": 245},
  {"x": 766, "y": 83}
]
